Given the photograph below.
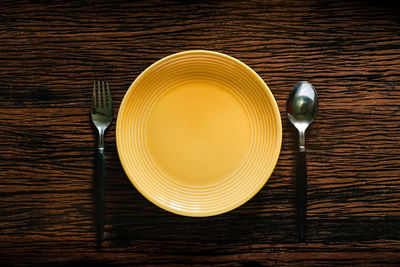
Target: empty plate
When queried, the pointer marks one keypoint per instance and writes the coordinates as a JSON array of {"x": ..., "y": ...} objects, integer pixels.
[{"x": 198, "y": 133}]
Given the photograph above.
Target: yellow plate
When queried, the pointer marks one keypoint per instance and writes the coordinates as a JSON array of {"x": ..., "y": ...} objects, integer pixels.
[{"x": 198, "y": 133}]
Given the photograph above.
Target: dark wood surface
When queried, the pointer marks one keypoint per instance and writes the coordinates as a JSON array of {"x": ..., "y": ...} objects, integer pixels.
[{"x": 50, "y": 54}]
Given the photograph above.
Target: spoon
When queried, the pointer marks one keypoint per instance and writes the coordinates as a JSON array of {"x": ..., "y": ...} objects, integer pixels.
[{"x": 302, "y": 107}]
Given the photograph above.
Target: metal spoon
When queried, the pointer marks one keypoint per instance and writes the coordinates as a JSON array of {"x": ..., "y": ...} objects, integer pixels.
[{"x": 302, "y": 107}]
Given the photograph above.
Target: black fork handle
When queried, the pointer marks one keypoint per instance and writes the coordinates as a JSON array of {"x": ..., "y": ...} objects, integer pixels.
[{"x": 100, "y": 192}]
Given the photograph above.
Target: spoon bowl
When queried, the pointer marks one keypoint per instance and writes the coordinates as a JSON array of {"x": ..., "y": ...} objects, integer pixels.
[{"x": 302, "y": 105}]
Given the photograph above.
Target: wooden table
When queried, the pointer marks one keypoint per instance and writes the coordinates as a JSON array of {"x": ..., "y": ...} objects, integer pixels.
[{"x": 50, "y": 54}]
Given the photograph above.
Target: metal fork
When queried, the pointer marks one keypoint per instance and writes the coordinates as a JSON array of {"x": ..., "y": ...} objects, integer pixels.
[{"x": 102, "y": 116}]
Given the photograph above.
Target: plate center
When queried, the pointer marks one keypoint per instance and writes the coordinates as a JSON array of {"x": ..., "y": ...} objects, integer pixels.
[{"x": 198, "y": 133}]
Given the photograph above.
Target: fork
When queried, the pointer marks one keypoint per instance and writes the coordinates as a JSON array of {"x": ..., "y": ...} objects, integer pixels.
[{"x": 102, "y": 116}]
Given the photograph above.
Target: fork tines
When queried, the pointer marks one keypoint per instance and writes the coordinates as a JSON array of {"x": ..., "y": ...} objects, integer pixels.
[{"x": 101, "y": 95}]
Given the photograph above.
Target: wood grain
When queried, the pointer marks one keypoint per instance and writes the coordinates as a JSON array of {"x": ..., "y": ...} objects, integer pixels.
[{"x": 50, "y": 53}]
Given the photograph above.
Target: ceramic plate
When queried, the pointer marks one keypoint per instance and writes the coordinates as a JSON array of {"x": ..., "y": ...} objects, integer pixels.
[{"x": 198, "y": 133}]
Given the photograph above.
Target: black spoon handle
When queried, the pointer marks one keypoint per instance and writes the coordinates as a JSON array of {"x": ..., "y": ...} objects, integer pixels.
[{"x": 301, "y": 192}]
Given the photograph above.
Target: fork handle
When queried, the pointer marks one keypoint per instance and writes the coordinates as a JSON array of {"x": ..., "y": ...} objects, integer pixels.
[
  {"x": 301, "y": 192},
  {"x": 100, "y": 192}
]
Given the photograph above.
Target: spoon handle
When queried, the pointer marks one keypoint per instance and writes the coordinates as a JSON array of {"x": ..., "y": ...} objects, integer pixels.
[{"x": 301, "y": 192}]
